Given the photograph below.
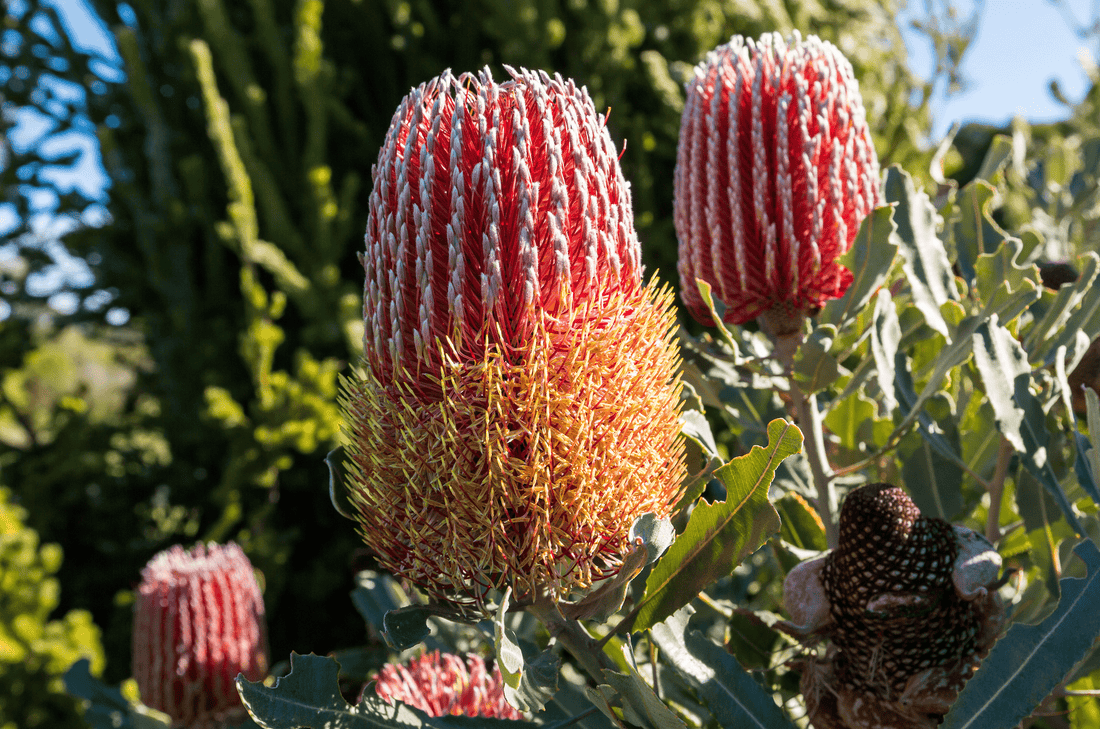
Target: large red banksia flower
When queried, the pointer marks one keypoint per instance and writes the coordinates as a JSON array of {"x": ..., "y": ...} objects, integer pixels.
[
  {"x": 198, "y": 622},
  {"x": 442, "y": 685},
  {"x": 518, "y": 403},
  {"x": 775, "y": 171}
]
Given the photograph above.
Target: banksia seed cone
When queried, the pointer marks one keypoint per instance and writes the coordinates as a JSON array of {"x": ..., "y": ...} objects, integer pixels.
[
  {"x": 909, "y": 612},
  {"x": 775, "y": 170},
  {"x": 198, "y": 622},
  {"x": 441, "y": 685},
  {"x": 518, "y": 402}
]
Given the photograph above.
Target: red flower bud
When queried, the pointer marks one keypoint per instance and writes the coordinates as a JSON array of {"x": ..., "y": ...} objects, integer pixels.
[
  {"x": 441, "y": 685},
  {"x": 775, "y": 171},
  {"x": 198, "y": 622},
  {"x": 518, "y": 403}
]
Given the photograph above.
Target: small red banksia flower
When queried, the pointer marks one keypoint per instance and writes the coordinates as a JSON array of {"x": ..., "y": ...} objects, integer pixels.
[
  {"x": 442, "y": 685},
  {"x": 775, "y": 171},
  {"x": 518, "y": 403},
  {"x": 198, "y": 622}
]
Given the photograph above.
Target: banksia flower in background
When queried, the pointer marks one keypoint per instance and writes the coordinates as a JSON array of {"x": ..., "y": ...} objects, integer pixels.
[
  {"x": 518, "y": 402},
  {"x": 198, "y": 622},
  {"x": 909, "y": 605},
  {"x": 442, "y": 685},
  {"x": 775, "y": 170}
]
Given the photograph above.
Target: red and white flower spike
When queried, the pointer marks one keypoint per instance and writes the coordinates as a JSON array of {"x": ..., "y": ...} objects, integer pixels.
[
  {"x": 442, "y": 685},
  {"x": 518, "y": 402},
  {"x": 198, "y": 622},
  {"x": 775, "y": 171}
]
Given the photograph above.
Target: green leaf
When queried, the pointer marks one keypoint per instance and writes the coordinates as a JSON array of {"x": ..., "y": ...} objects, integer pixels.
[
  {"x": 933, "y": 481},
  {"x": 854, "y": 421},
  {"x": 735, "y": 699},
  {"x": 106, "y": 707},
  {"x": 406, "y": 627},
  {"x": 999, "y": 154},
  {"x": 337, "y": 484},
  {"x": 694, "y": 425},
  {"x": 1006, "y": 374},
  {"x": 1006, "y": 289},
  {"x": 924, "y": 257},
  {"x": 640, "y": 705},
  {"x": 652, "y": 537},
  {"x": 913, "y": 405},
  {"x": 309, "y": 696},
  {"x": 869, "y": 259},
  {"x": 718, "y": 536},
  {"x": 802, "y": 527},
  {"x": 1031, "y": 660},
  {"x": 528, "y": 684},
  {"x": 885, "y": 337},
  {"x": 1069, "y": 302},
  {"x": 814, "y": 367},
  {"x": 974, "y": 231},
  {"x": 375, "y": 595},
  {"x": 717, "y": 311}
]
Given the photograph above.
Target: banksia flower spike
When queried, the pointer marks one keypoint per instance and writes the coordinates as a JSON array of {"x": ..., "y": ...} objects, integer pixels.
[
  {"x": 442, "y": 685},
  {"x": 775, "y": 170},
  {"x": 517, "y": 408},
  {"x": 909, "y": 606},
  {"x": 198, "y": 622}
]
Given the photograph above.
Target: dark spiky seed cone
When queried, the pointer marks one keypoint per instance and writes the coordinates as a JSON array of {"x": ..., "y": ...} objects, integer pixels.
[{"x": 889, "y": 584}]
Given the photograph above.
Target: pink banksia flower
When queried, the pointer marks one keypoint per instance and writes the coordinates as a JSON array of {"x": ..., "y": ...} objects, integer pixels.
[
  {"x": 198, "y": 622},
  {"x": 442, "y": 685},
  {"x": 775, "y": 170},
  {"x": 517, "y": 406}
]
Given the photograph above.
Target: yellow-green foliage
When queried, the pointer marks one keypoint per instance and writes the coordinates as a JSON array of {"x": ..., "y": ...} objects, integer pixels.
[{"x": 34, "y": 650}]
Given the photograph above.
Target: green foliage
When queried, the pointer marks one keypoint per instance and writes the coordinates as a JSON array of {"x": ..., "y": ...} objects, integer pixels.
[
  {"x": 35, "y": 650},
  {"x": 239, "y": 146},
  {"x": 310, "y": 693}
]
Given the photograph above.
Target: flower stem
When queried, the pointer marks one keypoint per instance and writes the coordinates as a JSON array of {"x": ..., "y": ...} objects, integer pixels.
[
  {"x": 809, "y": 421},
  {"x": 576, "y": 640},
  {"x": 996, "y": 488}
]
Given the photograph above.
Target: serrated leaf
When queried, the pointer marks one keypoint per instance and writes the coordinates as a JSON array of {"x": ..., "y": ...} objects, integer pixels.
[
  {"x": 869, "y": 259},
  {"x": 923, "y": 254},
  {"x": 885, "y": 337},
  {"x": 1006, "y": 374},
  {"x": 801, "y": 526},
  {"x": 974, "y": 231},
  {"x": 1041, "y": 335},
  {"x": 718, "y": 536},
  {"x": 1031, "y": 660},
  {"x": 309, "y": 696},
  {"x": 1006, "y": 288},
  {"x": 106, "y": 707},
  {"x": 735, "y": 699}
]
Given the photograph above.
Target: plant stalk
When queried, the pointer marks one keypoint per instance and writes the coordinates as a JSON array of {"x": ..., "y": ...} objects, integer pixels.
[
  {"x": 809, "y": 420},
  {"x": 574, "y": 637}
]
